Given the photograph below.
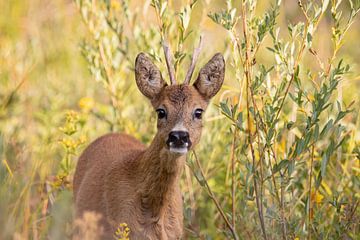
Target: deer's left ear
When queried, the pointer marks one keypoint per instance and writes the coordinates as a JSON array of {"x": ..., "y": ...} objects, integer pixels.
[{"x": 211, "y": 76}]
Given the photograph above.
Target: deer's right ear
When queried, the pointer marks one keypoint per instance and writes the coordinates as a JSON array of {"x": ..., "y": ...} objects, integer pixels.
[{"x": 148, "y": 76}]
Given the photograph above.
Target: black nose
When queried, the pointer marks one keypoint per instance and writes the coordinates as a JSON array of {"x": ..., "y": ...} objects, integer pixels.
[{"x": 179, "y": 139}]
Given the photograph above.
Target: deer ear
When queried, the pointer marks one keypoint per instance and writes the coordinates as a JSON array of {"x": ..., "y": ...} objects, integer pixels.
[
  {"x": 148, "y": 77},
  {"x": 211, "y": 76}
]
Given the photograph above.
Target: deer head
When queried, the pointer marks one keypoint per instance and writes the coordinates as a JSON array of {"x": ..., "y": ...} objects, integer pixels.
[{"x": 179, "y": 107}]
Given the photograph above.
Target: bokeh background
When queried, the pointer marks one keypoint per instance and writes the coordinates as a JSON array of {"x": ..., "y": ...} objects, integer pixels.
[{"x": 54, "y": 102}]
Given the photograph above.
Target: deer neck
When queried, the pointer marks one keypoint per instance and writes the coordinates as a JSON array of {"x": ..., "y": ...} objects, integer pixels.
[{"x": 160, "y": 175}]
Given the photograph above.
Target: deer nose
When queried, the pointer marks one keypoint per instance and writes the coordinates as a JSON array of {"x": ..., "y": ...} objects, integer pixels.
[{"x": 179, "y": 139}]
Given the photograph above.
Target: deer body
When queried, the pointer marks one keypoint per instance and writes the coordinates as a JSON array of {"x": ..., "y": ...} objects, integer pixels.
[
  {"x": 126, "y": 182},
  {"x": 123, "y": 186}
]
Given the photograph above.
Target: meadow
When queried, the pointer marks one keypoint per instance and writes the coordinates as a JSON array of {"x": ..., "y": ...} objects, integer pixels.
[{"x": 279, "y": 156}]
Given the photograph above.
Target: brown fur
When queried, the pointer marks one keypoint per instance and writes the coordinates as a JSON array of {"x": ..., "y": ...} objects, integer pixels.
[{"x": 118, "y": 177}]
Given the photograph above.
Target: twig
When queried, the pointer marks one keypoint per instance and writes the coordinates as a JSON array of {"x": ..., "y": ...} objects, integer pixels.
[
  {"x": 109, "y": 84},
  {"x": 10, "y": 97},
  {"x": 299, "y": 56},
  {"x": 191, "y": 196},
  {"x": 352, "y": 214},
  {"x": 212, "y": 196},
  {"x": 166, "y": 47},
  {"x": 303, "y": 10},
  {"x": 247, "y": 74},
  {"x": 194, "y": 58},
  {"x": 105, "y": 62},
  {"x": 233, "y": 180},
  {"x": 273, "y": 177},
  {"x": 337, "y": 47},
  {"x": 282, "y": 209},
  {"x": 313, "y": 52},
  {"x": 310, "y": 187}
]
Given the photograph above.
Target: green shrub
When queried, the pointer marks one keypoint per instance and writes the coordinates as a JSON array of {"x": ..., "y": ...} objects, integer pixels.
[{"x": 279, "y": 156}]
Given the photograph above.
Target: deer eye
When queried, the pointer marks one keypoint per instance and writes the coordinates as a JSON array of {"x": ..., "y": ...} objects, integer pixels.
[
  {"x": 198, "y": 113},
  {"x": 161, "y": 113}
]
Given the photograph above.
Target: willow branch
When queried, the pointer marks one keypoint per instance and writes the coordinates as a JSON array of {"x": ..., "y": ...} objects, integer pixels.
[
  {"x": 212, "y": 196},
  {"x": 248, "y": 78}
]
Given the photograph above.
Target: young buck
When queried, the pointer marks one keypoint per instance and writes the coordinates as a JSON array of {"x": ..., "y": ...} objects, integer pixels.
[{"x": 127, "y": 182}]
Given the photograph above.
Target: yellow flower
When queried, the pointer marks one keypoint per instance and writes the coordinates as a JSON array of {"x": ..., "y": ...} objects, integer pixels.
[
  {"x": 71, "y": 116},
  {"x": 86, "y": 104},
  {"x": 122, "y": 232},
  {"x": 82, "y": 139},
  {"x": 115, "y": 4},
  {"x": 316, "y": 197}
]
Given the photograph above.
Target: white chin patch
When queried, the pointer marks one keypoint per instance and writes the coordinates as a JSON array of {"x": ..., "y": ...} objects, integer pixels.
[{"x": 182, "y": 150}]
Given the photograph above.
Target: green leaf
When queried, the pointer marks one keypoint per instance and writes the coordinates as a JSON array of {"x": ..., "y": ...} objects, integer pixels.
[
  {"x": 324, "y": 162},
  {"x": 270, "y": 49},
  {"x": 225, "y": 109},
  {"x": 299, "y": 147},
  {"x": 308, "y": 137},
  {"x": 270, "y": 135},
  {"x": 326, "y": 157},
  {"x": 309, "y": 39},
  {"x": 199, "y": 178},
  {"x": 341, "y": 115},
  {"x": 316, "y": 132},
  {"x": 291, "y": 167},
  {"x": 318, "y": 180},
  {"x": 239, "y": 120},
  {"x": 250, "y": 196},
  {"x": 282, "y": 164},
  {"x": 326, "y": 128}
]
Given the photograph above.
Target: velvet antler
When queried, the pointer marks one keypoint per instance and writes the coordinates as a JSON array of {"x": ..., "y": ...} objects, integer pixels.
[
  {"x": 169, "y": 64},
  {"x": 194, "y": 58}
]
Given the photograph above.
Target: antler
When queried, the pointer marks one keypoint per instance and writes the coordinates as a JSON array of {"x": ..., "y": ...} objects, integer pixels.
[
  {"x": 194, "y": 58},
  {"x": 169, "y": 64}
]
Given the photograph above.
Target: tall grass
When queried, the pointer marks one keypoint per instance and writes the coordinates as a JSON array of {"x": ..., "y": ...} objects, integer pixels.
[{"x": 280, "y": 152}]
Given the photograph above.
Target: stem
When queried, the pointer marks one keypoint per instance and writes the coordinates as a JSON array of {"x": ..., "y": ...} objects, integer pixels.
[
  {"x": 282, "y": 209},
  {"x": 213, "y": 198},
  {"x": 310, "y": 187},
  {"x": 281, "y": 201},
  {"x": 166, "y": 47},
  {"x": 300, "y": 54},
  {"x": 233, "y": 180},
  {"x": 10, "y": 97},
  {"x": 109, "y": 83},
  {"x": 338, "y": 45},
  {"x": 191, "y": 195},
  {"x": 248, "y": 78}
]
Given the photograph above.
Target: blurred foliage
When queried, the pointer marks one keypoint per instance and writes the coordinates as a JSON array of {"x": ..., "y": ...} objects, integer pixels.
[{"x": 280, "y": 151}]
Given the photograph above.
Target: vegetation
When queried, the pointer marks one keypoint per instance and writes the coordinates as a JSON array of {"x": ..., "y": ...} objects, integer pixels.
[{"x": 280, "y": 152}]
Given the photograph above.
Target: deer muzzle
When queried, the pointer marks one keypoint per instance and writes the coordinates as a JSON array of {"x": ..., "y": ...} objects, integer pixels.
[{"x": 179, "y": 142}]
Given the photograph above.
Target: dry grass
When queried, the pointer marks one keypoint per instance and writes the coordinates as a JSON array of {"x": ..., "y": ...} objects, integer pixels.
[{"x": 52, "y": 106}]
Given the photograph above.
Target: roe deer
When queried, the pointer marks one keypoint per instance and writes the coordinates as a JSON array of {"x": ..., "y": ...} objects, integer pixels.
[{"x": 126, "y": 182}]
